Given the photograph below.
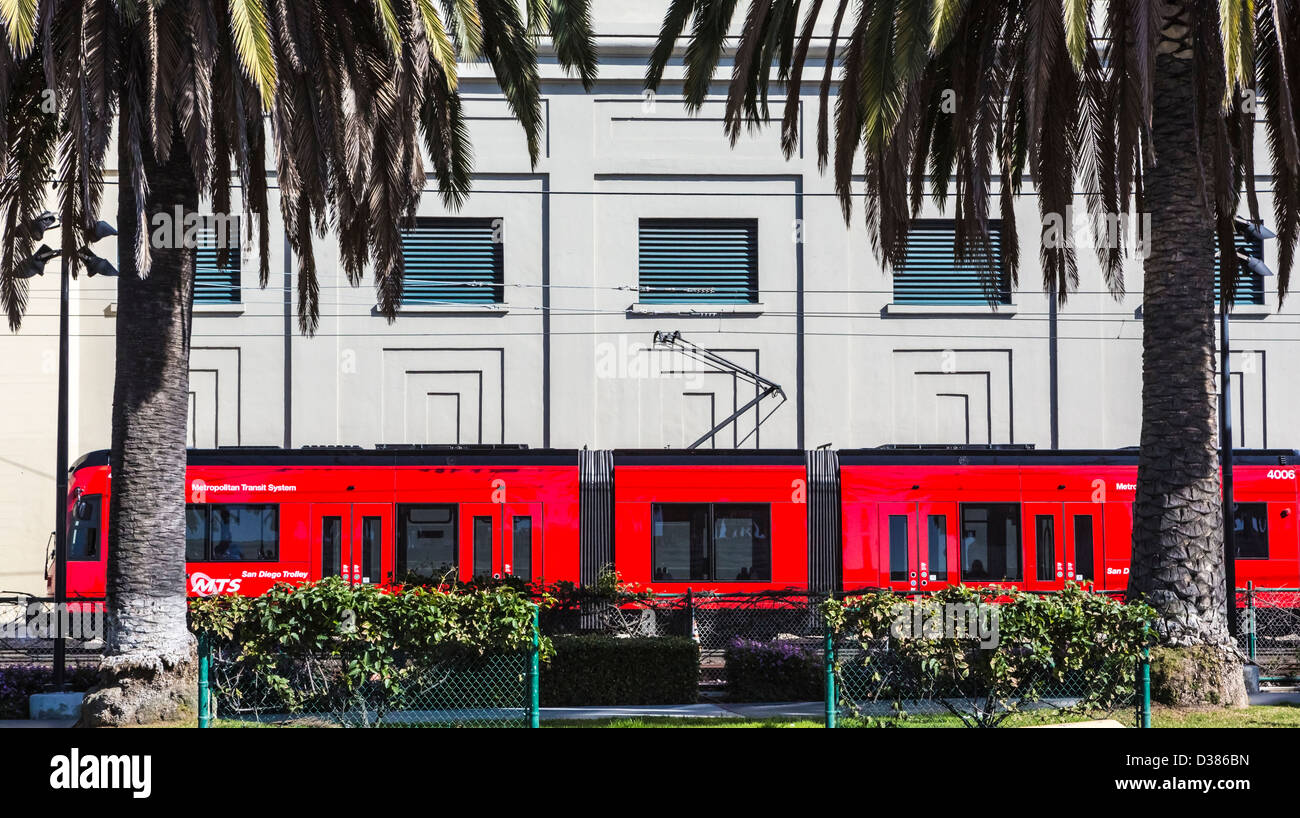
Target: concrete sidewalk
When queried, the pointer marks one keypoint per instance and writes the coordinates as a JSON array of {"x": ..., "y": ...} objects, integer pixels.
[{"x": 709, "y": 709}]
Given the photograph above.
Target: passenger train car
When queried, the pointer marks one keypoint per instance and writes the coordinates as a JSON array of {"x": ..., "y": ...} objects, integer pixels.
[{"x": 908, "y": 518}]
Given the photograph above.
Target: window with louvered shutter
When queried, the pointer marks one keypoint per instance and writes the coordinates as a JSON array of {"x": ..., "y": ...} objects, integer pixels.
[
  {"x": 1250, "y": 287},
  {"x": 933, "y": 275},
  {"x": 453, "y": 261},
  {"x": 710, "y": 261},
  {"x": 217, "y": 280}
]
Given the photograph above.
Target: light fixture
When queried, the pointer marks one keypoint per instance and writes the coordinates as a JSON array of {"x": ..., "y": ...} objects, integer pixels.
[
  {"x": 1255, "y": 231},
  {"x": 100, "y": 230},
  {"x": 37, "y": 226},
  {"x": 34, "y": 265},
  {"x": 96, "y": 266},
  {"x": 1253, "y": 264}
]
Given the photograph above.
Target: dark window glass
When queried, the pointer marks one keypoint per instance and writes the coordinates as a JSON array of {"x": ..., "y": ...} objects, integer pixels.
[
  {"x": 232, "y": 533},
  {"x": 937, "y": 547},
  {"x": 723, "y": 543},
  {"x": 931, "y": 272},
  {"x": 898, "y": 547},
  {"x": 482, "y": 546},
  {"x": 331, "y": 546},
  {"x": 990, "y": 542},
  {"x": 680, "y": 541},
  {"x": 1250, "y": 530},
  {"x": 372, "y": 529},
  {"x": 1083, "y": 548},
  {"x": 196, "y": 533},
  {"x": 708, "y": 261},
  {"x": 216, "y": 261},
  {"x": 1045, "y": 543},
  {"x": 522, "y": 539},
  {"x": 83, "y": 530},
  {"x": 742, "y": 543},
  {"x": 426, "y": 541}
]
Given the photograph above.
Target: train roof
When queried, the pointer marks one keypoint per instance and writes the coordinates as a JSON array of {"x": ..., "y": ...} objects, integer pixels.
[{"x": 487, "y": 455}]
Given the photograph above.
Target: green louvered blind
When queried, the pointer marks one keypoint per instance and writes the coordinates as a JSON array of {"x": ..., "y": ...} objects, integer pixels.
[
  {"x": 932, "y": 274},
  {"x": 217, "y": 280},
  {"x": 710, "y": 261},
  {"x": 1250, "y": 287},
  {"x": 453, "y": 261}
]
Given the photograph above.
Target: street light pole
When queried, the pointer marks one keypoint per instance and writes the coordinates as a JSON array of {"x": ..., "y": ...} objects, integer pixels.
[
  {"x": 61, "y": 482},
  {"x": 1225, "y": 459}
]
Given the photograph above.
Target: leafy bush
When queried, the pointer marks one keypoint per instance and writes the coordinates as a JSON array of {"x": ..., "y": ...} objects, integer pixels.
[
  {"x": 1073, "y": 646},
  {"x": 605, "y": 670},
  {"x": 19, "y": 682},
  {"x": 780, "y": 671},
  {"x": 358, "y": 636}
]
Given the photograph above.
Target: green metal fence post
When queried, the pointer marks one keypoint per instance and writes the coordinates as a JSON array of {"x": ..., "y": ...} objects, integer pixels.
[
  {"x": 1144, "y": 681},
  {"x": 1250, "y": 619},
  {"x": 534, "y": 673},
  {"x": 832, "y": 702},
  {"x": 205, "y": 716}
]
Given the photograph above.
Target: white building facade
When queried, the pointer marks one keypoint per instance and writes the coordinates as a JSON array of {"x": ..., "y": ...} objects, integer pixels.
[{"x": 532, "y": 317}]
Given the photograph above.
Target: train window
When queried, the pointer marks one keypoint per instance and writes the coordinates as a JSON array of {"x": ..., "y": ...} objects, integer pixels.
[
  {"x": 681, "y": 541},
  {"x": 1045, "y": 546},
  {"x": 196, "y": 533},
  {"x": 898, "y": 547},
  {"x": 232, "y": 533},
  {"x": 372, "y": 529},
  {"x": 990, "y": 542},
  {"x": 426, "y": 541},
  {"x": 1250, "y": 530},
  {"x": 722, "y": 543},
  {"x": 331, "y": 546},
  {"x": 742, "y": 543},
  {"x": 83, "y": 534},
  {"x": 1083, "y": 547},
  {"x": 522, "y": 539},
  {"x": 482, "y": 546},
  {"x": 937, "y": 546}
]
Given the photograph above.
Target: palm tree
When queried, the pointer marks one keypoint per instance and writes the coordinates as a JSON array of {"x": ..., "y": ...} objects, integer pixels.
[
  {"x": 352, "y": 92},
  {"x": 1147, "y": 104}
]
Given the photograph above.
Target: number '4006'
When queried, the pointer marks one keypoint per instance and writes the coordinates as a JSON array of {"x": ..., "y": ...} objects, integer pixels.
[{"x": 1281, "y": 474}]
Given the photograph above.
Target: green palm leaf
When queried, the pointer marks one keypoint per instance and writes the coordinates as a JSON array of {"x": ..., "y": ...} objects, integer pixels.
[
  {"x": 253, "y": 46},
  {"x": 20, "y": 24}
]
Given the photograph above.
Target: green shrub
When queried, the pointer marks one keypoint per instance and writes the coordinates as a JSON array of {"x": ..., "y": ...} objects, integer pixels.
[
  {"x": 605, "y": 670},
  {"x": 780, "y": 671}
]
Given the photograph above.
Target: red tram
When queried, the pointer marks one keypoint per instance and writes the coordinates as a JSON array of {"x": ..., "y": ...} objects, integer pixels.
[{"x": 912, "y": 518}]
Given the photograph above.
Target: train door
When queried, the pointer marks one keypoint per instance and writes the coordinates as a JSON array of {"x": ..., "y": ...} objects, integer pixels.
[
  {"x": 919, "y": 545},
  {"x": 900, "y": 554},
  {"x": 500, "y": 539},
  {"x": 1044, "y": 546},
  {"x": 349, "y": 541},
  {"x": 1083, "y": 527}
]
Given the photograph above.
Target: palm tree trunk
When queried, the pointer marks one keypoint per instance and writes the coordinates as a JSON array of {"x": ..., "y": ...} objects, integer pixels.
[
  {"x": 149, "y": 669},
  {"x": 1177, "y": 561}
]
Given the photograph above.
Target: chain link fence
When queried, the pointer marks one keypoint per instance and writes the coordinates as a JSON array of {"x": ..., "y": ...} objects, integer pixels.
[
  {"x": 869, "y": 685},
  {"x": 1270, "y": 631},
  {"x": 29, "y": 626},
  {"x": 713, "y": 620},
  {"x": 452, "y": 687}
]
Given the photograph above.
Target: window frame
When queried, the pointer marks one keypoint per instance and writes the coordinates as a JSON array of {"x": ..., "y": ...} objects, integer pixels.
[
  {"x": 1005, "y": 291},
  {"x": 710, "y": 544},
  {"x": 98, "y": 523},
  {"x": 1236, "y": 542},
  {"x": 672, "y": 299},
  {"x": 1017, "y": 517},
  {"x": 234, "y": 265},
  {"x": 400, "y": 521},
  {"x": 207, "y": 531},
  {"x": 498, "y": 285}
]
